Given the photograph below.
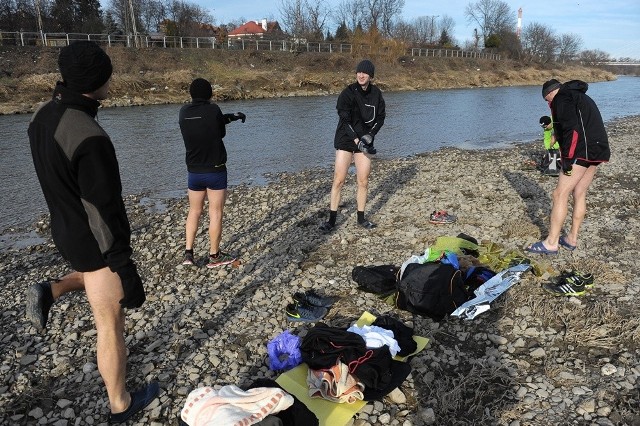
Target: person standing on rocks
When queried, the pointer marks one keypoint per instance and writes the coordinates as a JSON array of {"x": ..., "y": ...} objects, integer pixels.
[
  {"x": 203, "y": 126},
  {"x": 361, "y": 112},
  {"x": 584, "y": 145},
  {"x": 76, "y": 165}
]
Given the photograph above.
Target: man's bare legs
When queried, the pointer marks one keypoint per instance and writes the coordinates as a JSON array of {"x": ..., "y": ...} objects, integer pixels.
[
  {"x": 104, "y": 292},
  {"x": 577, "y": 184},
  {"x": 363, "y": 169},
  {"x": 196, "y": 206},
  {"x": 341, "y": 168},
  {"x": 217, "y": 198}
]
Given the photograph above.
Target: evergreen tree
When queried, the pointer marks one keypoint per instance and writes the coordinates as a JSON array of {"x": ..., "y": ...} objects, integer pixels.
[{"x": 342, "y": 32}]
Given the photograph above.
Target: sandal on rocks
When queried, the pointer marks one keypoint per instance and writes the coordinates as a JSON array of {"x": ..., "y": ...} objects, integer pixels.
[
  {"x": 539, "y": 248},
  {"x": 564, "y": 243}
]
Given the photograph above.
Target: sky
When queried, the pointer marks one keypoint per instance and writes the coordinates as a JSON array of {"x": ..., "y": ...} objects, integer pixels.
[{"x": 612, "y": 26}]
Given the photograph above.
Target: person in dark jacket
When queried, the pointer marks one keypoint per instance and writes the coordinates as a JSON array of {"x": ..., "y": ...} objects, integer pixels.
[
  {"x": 584, "y": 144},
  {"x": 76, "y": 165},
  {"x": 203, "y": 126},
  {"x": 361, "y": 112}
]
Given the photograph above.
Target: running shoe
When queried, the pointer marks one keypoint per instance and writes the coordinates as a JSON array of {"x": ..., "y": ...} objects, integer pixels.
[
  {"x": 564, "y": 289},
  {"x": 303, "y": 312},
  {"x": 326, "y": 227},
  {"x": 367, "y": 224},
  {"x": 575, "y": 277},
  {"x": 188, "y": 258},
  {"x": 441, "y": 217},
  {"x": 313, "y": 298},
  {"x": 220, "y": 260}
]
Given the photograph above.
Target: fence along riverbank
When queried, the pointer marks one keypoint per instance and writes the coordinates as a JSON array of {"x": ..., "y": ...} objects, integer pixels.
[{"x": 22, "y": 38}]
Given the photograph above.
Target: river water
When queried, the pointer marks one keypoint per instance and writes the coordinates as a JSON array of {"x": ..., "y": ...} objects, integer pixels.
[{"x": 292, "y": 134}]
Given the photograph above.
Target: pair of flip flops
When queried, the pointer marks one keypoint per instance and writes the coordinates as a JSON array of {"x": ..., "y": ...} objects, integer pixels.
[{"x": 540, "y": 248}]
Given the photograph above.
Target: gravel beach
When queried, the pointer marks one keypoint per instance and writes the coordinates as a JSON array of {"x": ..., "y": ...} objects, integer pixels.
[{"x": 533, "y": 359}]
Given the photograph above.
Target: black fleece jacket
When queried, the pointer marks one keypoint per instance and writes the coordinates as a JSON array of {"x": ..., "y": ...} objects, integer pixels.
[
  {"x": 78, "y": 171},
  {"x": 578, "y": 125},
  {"x": 203, "y": 126},
  {"x": 361, "y": 112}
]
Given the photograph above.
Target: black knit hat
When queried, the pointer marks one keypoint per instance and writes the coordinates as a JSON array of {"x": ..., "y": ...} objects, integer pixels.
[
  {"x": 545, "y": 120},
  {"x": 200, "y": 89},
  {"x": 550, "y": 86},
  {"x": 366, "y": 66},
  {"x": 84, "y": 66}
]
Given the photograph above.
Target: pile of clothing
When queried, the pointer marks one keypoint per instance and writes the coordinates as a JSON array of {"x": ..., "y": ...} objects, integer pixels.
[{"x": 356, "y": 364}]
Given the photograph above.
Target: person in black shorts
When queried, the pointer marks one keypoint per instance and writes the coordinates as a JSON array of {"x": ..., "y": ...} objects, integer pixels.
[
  {"x": 78, "y": 171},
  {"x": 361, "y": 112},
  {"x": 203, "y": 126},
  {"x": 584, "y": 145}
]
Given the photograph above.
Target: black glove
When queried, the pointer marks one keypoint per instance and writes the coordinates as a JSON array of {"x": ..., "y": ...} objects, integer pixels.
[
  {"x": 233, "y": 117},
  {"x": 567, "y": 167},
  {"x": 134, "y": 295},
  {"x": 365, "y": 144}
]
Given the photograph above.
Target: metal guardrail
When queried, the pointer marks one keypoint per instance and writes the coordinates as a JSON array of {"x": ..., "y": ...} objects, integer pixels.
[{"x": 21, "y": 38}]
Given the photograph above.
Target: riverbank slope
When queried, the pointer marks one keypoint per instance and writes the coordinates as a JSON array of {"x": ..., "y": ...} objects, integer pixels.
[
  {"x": 162, "y": 76},
  {"x": 533, "y": 359}
]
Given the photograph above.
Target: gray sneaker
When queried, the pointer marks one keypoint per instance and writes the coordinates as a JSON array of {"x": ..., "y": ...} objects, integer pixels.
[{"x": 222, "y": 259}]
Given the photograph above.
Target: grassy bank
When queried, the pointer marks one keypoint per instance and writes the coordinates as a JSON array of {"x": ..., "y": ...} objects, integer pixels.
[{"x": 161, "y": 76}]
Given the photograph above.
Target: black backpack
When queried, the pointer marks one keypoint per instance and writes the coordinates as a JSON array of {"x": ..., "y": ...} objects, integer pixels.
[
  {"x": 380, "y": 279},
  {"x": 432, "y": 289}
]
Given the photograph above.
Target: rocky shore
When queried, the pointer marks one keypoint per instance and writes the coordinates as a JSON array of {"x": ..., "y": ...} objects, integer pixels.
[{"x": 533, "y": 359}]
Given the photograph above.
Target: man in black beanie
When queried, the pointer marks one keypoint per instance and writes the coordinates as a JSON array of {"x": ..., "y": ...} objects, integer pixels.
[
  {"x": 361, "y": 112},
  {"x": 78, "y": 171},
  {"x": 584, "y": 144},
  {"x": 203, "y": 126}
]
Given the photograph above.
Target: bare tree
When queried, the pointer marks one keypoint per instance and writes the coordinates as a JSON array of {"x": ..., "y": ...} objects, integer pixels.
[
  {"x": 404, "y": 31},
  {"x": 568, "y": 47},
  {"x": 539, "y": 44},
  {"x": 379, "y": 14},
  {"x": 491, "y": 16},
  {"x": 303, "y": 18},
  {"x": 350, "y": 12},
  {"x": 594, "y": 57}
]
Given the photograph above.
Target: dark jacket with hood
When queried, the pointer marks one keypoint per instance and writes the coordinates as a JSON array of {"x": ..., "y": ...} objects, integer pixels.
[
  {"x": 78, "y": 171},
  {"x": 361, "y": 112},
  {"x": 578, "y": 125},
  {"x": 203, "y": 126}
]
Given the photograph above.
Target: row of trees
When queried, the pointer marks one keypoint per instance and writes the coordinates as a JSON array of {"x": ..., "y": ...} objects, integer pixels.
[{"x": 494, "y": 24}]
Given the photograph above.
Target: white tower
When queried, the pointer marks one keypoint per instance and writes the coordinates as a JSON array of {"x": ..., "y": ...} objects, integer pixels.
[{"x": 519, "y": 26}]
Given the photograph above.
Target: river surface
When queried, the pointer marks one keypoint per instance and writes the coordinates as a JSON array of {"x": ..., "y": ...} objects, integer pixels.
[{"x": 292, "y": 134}]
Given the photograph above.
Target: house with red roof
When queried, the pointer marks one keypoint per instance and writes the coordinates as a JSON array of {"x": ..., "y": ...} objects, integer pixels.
[{"x": 256, "y": 29}]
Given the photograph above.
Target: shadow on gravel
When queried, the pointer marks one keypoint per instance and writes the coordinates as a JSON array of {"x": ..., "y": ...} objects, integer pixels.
[
  {"x": 535, "y": 197},
  {"x": 278, "y": 231}
]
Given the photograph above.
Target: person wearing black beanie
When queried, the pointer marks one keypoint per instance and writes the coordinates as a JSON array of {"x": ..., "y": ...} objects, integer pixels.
[
  {"x": 76, "y": 165},
  {"x": 584, "y": 144},
  {"x": 84, "y": 67},
  {"x": 361, "y": 112},
  {"x": 203, "y": 126}
]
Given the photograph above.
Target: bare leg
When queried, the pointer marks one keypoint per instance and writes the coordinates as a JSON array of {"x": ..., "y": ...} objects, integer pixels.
[
  {"x": 73, "y": 281},
  {"x": 343, "y": 160},
  {"x": 104, "y": 291},
  {"x": 565, "y": 187},
  {"x": 580, "y": 204},
  {"x": 196, "y": 204},
  {"x": 216, "y": 198},
  {"x": 363, "y": 168}
]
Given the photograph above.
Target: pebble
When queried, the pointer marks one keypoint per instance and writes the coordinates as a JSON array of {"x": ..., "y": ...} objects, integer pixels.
[{"x": 555, "y": 360}]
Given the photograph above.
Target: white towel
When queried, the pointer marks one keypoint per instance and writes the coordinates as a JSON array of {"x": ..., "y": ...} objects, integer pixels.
[{"x": 232, "y": 406}]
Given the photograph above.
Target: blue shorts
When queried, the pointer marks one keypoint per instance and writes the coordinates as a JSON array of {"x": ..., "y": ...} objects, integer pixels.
[{"x": 202, "y": 181}]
